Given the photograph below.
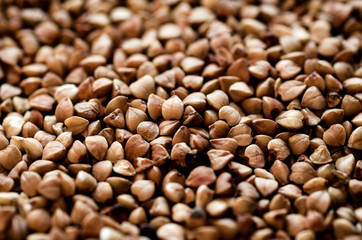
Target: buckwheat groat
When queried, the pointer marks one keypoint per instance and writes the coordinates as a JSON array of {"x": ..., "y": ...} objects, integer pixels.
[{"x": 170, "y": 119}]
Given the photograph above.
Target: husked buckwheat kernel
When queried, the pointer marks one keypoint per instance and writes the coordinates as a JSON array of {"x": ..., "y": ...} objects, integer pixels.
[{"x": 209, "y": 119}]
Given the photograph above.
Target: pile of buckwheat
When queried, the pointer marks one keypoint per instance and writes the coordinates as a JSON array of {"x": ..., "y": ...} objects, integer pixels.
[{"x": 180, "y": 119}]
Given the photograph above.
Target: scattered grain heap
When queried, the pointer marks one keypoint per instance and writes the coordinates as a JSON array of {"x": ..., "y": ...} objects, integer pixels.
[{"x": 170, "y": 119}]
